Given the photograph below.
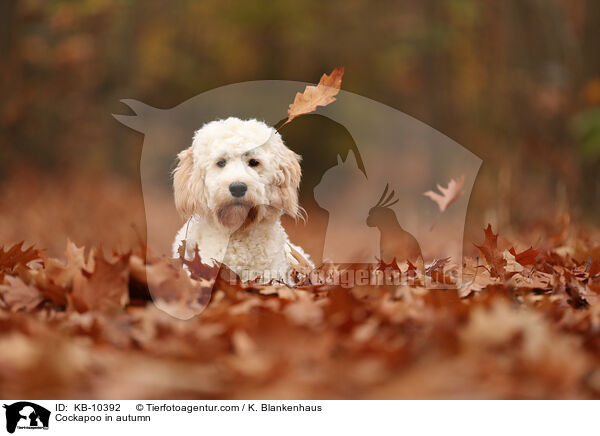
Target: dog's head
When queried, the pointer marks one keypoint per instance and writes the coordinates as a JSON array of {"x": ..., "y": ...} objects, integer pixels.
[{"x": 236, "y": 171}]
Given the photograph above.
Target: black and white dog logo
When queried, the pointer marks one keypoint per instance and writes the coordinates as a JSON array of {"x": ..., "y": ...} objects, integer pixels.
[{"x": 26, "y": 415}]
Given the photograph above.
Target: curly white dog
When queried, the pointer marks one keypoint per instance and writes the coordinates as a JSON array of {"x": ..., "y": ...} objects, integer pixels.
[{"x": 232, "y": 185}]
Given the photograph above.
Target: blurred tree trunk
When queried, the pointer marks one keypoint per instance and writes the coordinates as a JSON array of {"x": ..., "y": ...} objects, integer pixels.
[{"x": 7, "y": 24}]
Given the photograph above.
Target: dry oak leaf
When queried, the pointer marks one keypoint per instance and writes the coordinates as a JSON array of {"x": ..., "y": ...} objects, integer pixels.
[
  {"x": 492, "y": 255},
  {"x": 474, "y": 280},
  {"x": 16, "y": 255},
  {"x": 104, "y": 289},
  {"x": 448, "y": 195},
  {"x": 532, "y": 280},
  {"x": 169, "y": 283},
  {"x": 197, "y": 268},
  {"x": 221, "y": 276},
  {"x": 580, "y": 295},
  {"x": 50, "y": 290},
  {"x": 527, "y": 257},
  {"x": 17, "y": 295},
  {"x": 313, "y": 96},
  {"x": 171, "y": 288},
  {"x": 62, "y": 273},
  {"x": 393, "y": 265}
]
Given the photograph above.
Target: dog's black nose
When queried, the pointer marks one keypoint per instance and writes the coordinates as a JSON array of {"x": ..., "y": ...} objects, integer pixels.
[{"x": 238, "y": 189}]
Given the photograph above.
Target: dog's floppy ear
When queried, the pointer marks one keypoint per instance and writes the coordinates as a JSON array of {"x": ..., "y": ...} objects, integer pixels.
[
  {"x": 188, "y": 185},
  {"x": 288, "y": 178}
]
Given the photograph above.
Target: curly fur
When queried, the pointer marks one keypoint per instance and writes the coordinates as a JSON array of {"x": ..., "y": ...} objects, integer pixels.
[{"x": 244, "y": 233}]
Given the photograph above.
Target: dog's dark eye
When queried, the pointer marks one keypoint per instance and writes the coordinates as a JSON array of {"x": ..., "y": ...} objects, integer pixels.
[
  {"x": 253, "y": 163},
  {"x": 221, "y": 163}
]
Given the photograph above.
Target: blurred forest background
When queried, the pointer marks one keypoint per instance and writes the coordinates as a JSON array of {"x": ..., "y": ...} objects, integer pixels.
[{"x": 516, "y": 82}]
